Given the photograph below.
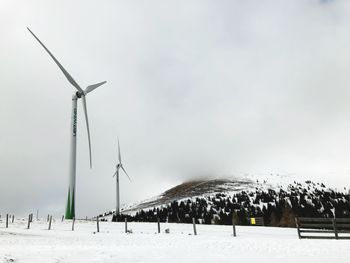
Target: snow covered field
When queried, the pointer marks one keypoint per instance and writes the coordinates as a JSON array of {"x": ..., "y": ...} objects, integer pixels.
[{"x": 212, "y": 244}]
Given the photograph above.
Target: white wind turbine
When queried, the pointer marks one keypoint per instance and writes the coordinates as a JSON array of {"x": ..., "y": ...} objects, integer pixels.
[
  {"x": 116, "y": 174},
  {"x": 79, "y": 94}
]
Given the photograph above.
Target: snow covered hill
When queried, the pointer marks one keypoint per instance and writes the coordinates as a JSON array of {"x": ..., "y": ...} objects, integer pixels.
[
  {"x": 215, "y": 201},
  {"x": 194, "y": 189}
]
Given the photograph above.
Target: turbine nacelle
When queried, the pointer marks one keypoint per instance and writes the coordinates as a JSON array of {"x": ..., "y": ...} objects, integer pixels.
[{"x": 78, "y": 94}]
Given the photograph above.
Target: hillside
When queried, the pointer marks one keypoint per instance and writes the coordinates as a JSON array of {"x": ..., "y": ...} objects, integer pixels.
[
  {"x": 193, "y": 189},
  {"x": 217, "y": 201}
]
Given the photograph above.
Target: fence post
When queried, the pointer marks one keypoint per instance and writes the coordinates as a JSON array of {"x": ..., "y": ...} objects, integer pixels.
[
  {"x": 298, "y": 227},
  {"x": 7, "y": 220},
  {"x": 335, "y": 228},
  {"x": 234, "y": 226},
  {"x": 62, "y": 218},
  {"x": 126, "y": 225},
  {"x": 194, "y": 226},
  {"x": 158, "y": 222},
  {"x": 98, "y": 225},
  {"x": 28, "y": 222},
  {"x": 73, "y": 223},
  {"x": 13, "y": 218},
  {"x": 50, "y": 222}
]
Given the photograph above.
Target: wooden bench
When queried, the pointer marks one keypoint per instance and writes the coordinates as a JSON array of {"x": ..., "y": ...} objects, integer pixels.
[{"x": 323, "y": 228}]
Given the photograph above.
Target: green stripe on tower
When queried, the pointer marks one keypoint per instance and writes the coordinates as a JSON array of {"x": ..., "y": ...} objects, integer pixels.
[{"x": 70, "y": 206}]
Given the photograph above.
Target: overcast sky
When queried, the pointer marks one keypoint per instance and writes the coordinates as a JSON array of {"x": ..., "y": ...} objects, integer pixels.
[{"x": 193, "y": 87}]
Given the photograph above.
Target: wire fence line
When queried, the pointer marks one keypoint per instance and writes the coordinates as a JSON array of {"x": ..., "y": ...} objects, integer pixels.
[{"x": 50, "y": 224}]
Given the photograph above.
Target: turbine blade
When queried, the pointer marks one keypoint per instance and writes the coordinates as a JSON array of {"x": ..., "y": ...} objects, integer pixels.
[
  {"x": 126, "y": 173},
  {"x": 68, "y": 76},
  {"x": 119, "y": 155},
  {"x": 94, "y": 86},
  {"x": 116, "y": 172},
  {"x": 87, "y": 126}
]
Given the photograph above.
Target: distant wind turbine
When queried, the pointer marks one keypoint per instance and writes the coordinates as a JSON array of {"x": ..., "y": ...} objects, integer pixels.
[
  {"x": 79, "y": 94},
  {"x": 116, "y": 174}
]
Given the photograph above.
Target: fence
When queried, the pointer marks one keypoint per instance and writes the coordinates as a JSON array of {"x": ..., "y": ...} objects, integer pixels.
[
  {"x": 323, "y": 228},
  {"x": 50, "y": 223}
]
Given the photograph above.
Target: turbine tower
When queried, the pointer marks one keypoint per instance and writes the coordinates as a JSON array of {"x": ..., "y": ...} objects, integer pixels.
[
  {"x": 116, "y": 174},
  {"x": 78, "y": 94}
]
